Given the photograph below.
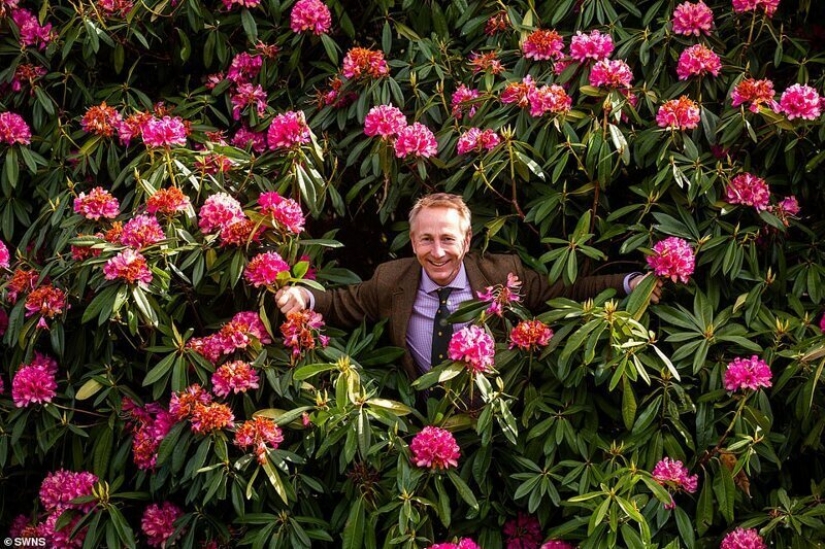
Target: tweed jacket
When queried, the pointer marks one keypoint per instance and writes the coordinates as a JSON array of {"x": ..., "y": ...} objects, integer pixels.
[{"x": 391, "y": 292}]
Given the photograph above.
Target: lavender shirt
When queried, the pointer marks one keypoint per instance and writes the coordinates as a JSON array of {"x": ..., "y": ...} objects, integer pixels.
[{"x": 420, "y": 327}]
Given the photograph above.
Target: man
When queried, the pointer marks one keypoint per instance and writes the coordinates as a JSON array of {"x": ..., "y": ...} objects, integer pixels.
[{"x": 407, "y": 290}]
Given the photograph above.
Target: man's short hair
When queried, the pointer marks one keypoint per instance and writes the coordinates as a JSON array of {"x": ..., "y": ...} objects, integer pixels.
[{"x": 443, "y": 200}]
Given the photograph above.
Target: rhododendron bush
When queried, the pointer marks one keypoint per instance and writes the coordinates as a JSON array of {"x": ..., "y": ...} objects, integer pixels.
[{"x": 166, "y": 167}]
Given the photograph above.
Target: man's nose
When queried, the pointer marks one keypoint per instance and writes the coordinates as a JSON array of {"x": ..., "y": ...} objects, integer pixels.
[{"x": 438, "y": 249}]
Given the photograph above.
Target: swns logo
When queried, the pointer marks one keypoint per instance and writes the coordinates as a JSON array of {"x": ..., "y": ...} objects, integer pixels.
[{"x": 24, "y": 542}]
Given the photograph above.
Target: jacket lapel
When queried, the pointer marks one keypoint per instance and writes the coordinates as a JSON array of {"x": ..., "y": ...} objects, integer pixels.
[{"x": 478, "y": 280}]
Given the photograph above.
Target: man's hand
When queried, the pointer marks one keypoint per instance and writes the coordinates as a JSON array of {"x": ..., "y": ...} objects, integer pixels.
[
  {"x": 657, "y": 291},
  {"x": 291, "y": 298}
]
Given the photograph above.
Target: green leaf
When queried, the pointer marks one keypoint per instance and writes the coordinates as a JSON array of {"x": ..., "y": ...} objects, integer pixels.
[
  {"x": 250, "y": 27},
  {"x": 331, "y": 48},
  {"x": 354, "y": 527},
  {"x": 463, "y": 490},
  {"x": 275, "y": 480},
  {"x": 628, "y": 404},
  {"x": 725, "y": 491}
]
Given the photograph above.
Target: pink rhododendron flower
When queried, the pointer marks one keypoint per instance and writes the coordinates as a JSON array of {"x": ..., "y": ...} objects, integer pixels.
[
  {"x": 692, "y": 19},
  {"x": 755, "y": 92},
  {"x": 248, "y": 95},
  {"x": 435, "y": 448},
  {"x": 485, "y": 62},
  {"x": 672, "y": 258},
  {"x": 463, "y": 543},
  {"x": 285, "y": 211},
  {"x": 34, "y": 383},
  {"x": 679, "y": 114},
  {"x": 542, "y": 44},
  {"x": 785, "y": 208},
  {"x": 101, "y": 120},
  {"x": 169, "y": 202},
  {"x": 206, "y": 418},
  {"x": 671, "y": 473},
  {"x": 742, "y": 538},
  {"x": 462, "y": 101},
  {"x": 141, "y": 231},
  {"x": 522, "y": 532},
  {"x": 384, "y": 120},
  {"x": 259, "y": 434},
  {"x": 264, "y": 268},
  {"x": 115, "y": 8},
  {"x": 245, "y": 137},
  {"x": 749, "y": 190},
  {"x": 236, "y": 376},
  {"x": 14, "y": 130},
  {"x": 416, "y": 140},
  {"x": 529, "y": 335},
  {"x": 800, "y": 101},
  {"x": 129, "y": 266},
  {"x": 98, "y": 203},
  {"x": 288, "y": 130},
  {"x": 747, "y": 373},
  {"x": 552, "y": 99},
  {"x": 46, "y": 301},
  {"x": 611, "y": 74},
  {"x": 5, "y": 257},
  {"x": 182, "y": 405},
  {"x": 132, "y": 126},
  {"x": 476, "y": 139},
  {"x": 310, "y": 15},
  {"x": 158, "y": 523},
  {"x": 302, "y": 331},
  {"x": 164, "y": 132},
  {"x": 240, "y": 232},
  {"x": 59, "y": 488},
  {"x": 244, "y": 68},
  {"x": 364, "y": 63},
  {"x": 249, "y": 4},
  {"x": 218, "y": 211},
  {"x": 64, "y": 537},
  {"x": 768, "y": 6},
  {"x": 593, "y": 46},
  {"x": 149, "y": 425},
  {"x": 501, "y": 295},
  {"x": 473, "y": 346},
  {"x": 518, "y": 92},
  {"x": 698, "y": 60},
  {"x": 22, "y": 281},
  {"x": 556, "y": 544},
  {"x": 31, "y": 32}
]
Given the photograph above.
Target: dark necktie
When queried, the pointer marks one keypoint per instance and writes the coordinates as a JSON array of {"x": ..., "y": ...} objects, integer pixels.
[{"x": 442, "y": 330}]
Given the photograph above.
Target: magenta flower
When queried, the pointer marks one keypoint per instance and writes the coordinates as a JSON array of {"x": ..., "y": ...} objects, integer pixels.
[
  {"x": 543, "y": 44},
  {"x": 529, "y": 335},
  {"x": 101, "y": 120},
  {"x": 310, "y": 15},
  {"x": 245, "y": 137},
  {"x": 141, "y": 231},
  {"x": 742, "y": 538},
  {"x": 672, "y": 258},
  {"x": 435, "y": 448},
  {"x": 228, "y": 4},
  {"x": 678, "y": 114},
  {"x": 556, "y": 544},
  {"x": 98, "y": 203},
  {"x": 787, "y": 207},
  {"x": 58, "y": 490},
  {"x": 364, "y": 63},
  {"x": 463, "y": 543},
  {"x": 258, "y": 434},
  {"x": 236, "y": 376},
  {"x": 218, "y": 211},
  {"x": 522, "y": 532},
  {"x": 755, "y": 92},
  {"x": 594, "y": 46},
  {"x": 800, "y": 101},
  {"x": 164, "y": 132},
  {"x": 285, "y": 211},
  {"x": 158, "y": 523},
  {"x": 384, "y": 120},
  {"x": 5, "y": 257},
  {"x": 552, "y": 99},
  {"x": 302, "y": 331},
  {"x": 288, "y": 130},
  {"x": 244, "y": 68},
  {"x": 462, "y": 100},
  {"x": 692, "y": 19},
  {"x": 31, "y": 32},
  {"x": 129, "y": 266},
  {"x": 611, "y": 74},
  {"x": 698, "y": 60},
  {"x": 416, "y": 140},
  {"x": 248, "y": 95},
  {"x": 768, "y": 6},
  {"x": 34, "y": 383},
  {"x": 749, "y": 190},
  {"x": 474, "y": 346},
  {"x": 747, "y": 373},
  {"x": 501, "y": 295},
  {"x": 671, "y": 473},
  {"x": 478, "y": 140},
  {"x": 46, "y": 301},
  {"x": 263, "y": 269},
  {"x": 149, "y": 425},
  {"x": 13, "y": 129}
]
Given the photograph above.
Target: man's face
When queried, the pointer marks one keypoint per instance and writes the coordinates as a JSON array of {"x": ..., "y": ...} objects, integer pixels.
[{"x": 439, "y": 243}]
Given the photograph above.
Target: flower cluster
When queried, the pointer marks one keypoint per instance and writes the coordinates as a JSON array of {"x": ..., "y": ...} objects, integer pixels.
[
  {"x": 166, "y": 132},
  {"x": 98, "y": 203},
  {"x": 678, "y": 114},
  {"x": 158, "y": 523},
  {"x": 747, "y": 373},
  {"x": 522, "y": 532},
  {"x": 129, "y": 266},
  {"x": 218, "y": 212},
  {"x": 540, "y": 100},
  {"x": 364, "y": 63},
  {"x": 473, "y": 346},
  {"x": 244, "y": 328},
  {"x": 285, "y": 212},
  {"x": 5, "y": 257},
  {"x": 501, "y": 295},
  {"x": 476, "y": 139},
  {"x": 556, "y": 544},
  {"x": 593, "y": 46},
  {"x": 463, "y": 101},
  {"x": 245, "y": 137},
  {"x": 101, "y": 120},
  {"x": 288, "y": 130},
  {"x": 543, "y": 44},
  {"x": 264, "y": 268},
  {"x": 801, "y": 101},
  {"x": 244, "y": 68},
  {"x": 529, "y": 335},
  {"x": 195, "y": 404},
  {"x": 416, "y": 140},
  {"x": 168, "y": 202},
  {"x": 235, "y": 376},
  {"x": 386, "y": 121},
  {"x": 749, "y": 190},
  {"x": 46, "y": 301},
  {"x": 743, "y": 6},
  {"x": 141, "y": 231},
  {"x": 692, "y": 19},
  {"x": 463, "y": 543},
  {"x": 32, "y": 33},
  {"x": 673, "y": 258},
  {"x": 756, "y": 92},
  {"x": 59, "y": 489},
  {"x": 258, "y": 434},
  {"x": 672, "y": 474},
  {"x": 310, "y": 15},
  {"x": 487, "y": 62},
  {"x": 248, "y": 95},
  {"x": 611, "y": 74},
  {"x": 34, "y": 383},
  {"x": 302, "y": 331},
  {"x": 698, "y": 60},
  {"x": 14, "y": 130},
  {"x": 743, "y": 538},
  {"x": 149, "y": 425},
  {"x": 435, "y": 448}
]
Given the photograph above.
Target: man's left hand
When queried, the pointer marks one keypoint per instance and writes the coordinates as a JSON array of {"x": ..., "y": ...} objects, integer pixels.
[{"x": 657, "y": 291}]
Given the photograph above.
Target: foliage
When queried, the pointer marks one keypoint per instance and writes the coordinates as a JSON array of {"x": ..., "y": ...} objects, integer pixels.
[{"x": 111, "y": 107}]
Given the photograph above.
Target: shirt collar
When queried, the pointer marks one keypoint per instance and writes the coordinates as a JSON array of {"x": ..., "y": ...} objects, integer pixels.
[{"x": 460, "y": 281}]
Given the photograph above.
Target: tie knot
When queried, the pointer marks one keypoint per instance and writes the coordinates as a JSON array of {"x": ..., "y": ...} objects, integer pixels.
[{"x": 443, "y": 293}]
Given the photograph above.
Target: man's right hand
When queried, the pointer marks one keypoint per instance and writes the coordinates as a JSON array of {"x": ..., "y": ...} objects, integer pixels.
[{"x": 292, "y": 298}]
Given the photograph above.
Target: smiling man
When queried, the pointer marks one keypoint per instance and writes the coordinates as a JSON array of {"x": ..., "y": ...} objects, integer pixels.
[{"x": 416, "y": 294}]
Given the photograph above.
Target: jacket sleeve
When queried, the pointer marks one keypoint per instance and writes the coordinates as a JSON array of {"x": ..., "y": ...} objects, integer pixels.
[{"x": 346, "y": 306}]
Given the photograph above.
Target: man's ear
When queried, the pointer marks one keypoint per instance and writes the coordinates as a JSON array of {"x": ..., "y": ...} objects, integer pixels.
[{"x": 467, "y": 238}]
